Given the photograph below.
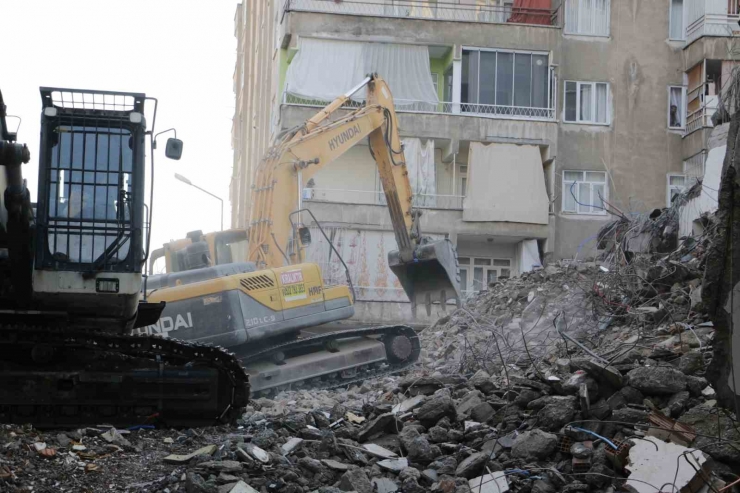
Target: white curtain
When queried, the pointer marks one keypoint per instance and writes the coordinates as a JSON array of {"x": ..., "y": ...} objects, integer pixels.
[
  {"x": 675, "y": 120},
  {"x": 422, "y": 171},
  {"x": 676, "y": 19},
  {"x": 587, "y": 17},
  {"x": 324, "y": 69},
  {"x": 602, "y": 98},
  {"x": 601, "y": 17},
  {"x": 586, "y": 97},
  {"x": 571, "y": 16}
]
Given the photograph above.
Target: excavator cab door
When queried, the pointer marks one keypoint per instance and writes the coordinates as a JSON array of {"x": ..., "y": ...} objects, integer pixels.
[{"x": 433, "y": 275}]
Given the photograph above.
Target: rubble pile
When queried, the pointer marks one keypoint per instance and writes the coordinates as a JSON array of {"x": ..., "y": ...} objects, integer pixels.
[{"x": 582, "y": 376}]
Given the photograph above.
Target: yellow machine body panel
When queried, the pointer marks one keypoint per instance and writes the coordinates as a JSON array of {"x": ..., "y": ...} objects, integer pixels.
[{"x": 230, "y": 307}]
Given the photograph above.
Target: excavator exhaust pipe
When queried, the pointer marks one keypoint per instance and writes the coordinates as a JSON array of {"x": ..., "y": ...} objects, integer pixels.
[{"x": 433, "y": 275}]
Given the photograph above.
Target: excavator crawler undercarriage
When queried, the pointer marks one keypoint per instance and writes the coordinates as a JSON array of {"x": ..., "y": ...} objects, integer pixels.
[{"x": 58, "y": 376}]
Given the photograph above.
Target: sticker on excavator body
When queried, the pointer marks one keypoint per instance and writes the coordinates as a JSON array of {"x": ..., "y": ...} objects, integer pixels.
[
  {"x": 291, "y": 277},
  {"x": 294, "y": 292}
]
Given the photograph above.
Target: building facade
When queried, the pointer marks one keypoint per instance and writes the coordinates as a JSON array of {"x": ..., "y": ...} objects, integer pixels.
[{"x": 524, "y": 122}]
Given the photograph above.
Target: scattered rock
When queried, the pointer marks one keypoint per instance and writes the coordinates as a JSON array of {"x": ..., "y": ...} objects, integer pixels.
[
  {"x": 434, "y": 409},
  {"x": 660, "y": 380},
  {"x": 535, "y": 444},
  {"x": 355, "y": 480}
]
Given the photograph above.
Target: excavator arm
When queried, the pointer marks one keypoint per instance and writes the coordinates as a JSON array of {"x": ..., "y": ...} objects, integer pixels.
[{"x": 428, "y": 270}]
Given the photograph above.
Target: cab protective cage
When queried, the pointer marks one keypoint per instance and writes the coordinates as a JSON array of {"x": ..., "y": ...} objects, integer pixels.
[{"x": 91, "y": 175}]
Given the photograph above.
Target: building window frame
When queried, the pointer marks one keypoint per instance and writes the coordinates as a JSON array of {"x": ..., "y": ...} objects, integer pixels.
[
  {"x": 681, "y": 109},
  {"x": 670, "y": 21},
  {"x": 572, "y": 6},
  {"x": 488, "y": 267},
  {"x": 472, "y": 103},
  {"x": 594, "y": 107},
  {"x": 435, "y": 82},
  {"x": 574, "y": 188},
  {"x": 670, "y": 187}
]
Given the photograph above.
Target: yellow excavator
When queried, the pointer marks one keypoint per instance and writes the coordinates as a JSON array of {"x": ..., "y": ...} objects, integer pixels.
[{"x": 257, "y": 307}]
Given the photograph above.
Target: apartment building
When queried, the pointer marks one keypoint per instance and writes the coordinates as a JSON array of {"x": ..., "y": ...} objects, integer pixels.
[{"x": 523, "y": 121}]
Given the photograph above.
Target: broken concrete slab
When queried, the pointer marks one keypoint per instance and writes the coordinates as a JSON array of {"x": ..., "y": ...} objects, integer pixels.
[
  {"x": 385, "y": 423},
  {"x": 490, "y": 483},
  {"x": 472, "y": 465},
  {"x": 434, "y": 409},
  {"x": 227, "y": 466},
  {"x": 384, "y": 485},
  {"x": 601, "y": 372},
  {"x": 242, "y": 487},
  {"x": 335, "y": 465},
  {"x": 257, "y": 453},
  {"x": 409, "y": 404},
  {"x": 671, "y": 464},
  {"x": 356, "y": 480},
  {"x": 183, "y": 459},
  {"x": 290, "y": 445},
  {"x": 378, "y": 451},
  {"x": 535, "y": 444},
  {"x": 394, "y": 465},
  {"x": 658, "y": 380}
]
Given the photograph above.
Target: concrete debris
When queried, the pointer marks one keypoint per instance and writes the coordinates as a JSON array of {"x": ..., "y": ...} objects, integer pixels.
[
  {"x": 394, "y": 465},
  {"x": 379, "y": 451},
  {"x": 533, "y": 445},
  {"x": 384, "y": 485},
  {"x": 183, "y": 459},
  {"x": 614, "y": 365},
  {"x": 242, "y": 487},
  {"x": 490, "y": 483},
  {"x": 661, "y": 380},
  {"x": 291, "y": 445},
  {"x": 653, "y": 461}
]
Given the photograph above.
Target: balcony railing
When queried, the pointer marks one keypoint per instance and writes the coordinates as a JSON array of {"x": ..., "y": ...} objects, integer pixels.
[
  {"x": 442, "y": 107},
  {"x": 451, "y": 10},
  {"x": 702, "y": 117},
  {"x": 711, "y": 18},
  {"x": 369, "y": 197}
]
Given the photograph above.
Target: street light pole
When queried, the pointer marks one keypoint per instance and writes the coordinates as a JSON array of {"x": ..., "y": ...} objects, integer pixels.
[{"x": 188, "y": 182}]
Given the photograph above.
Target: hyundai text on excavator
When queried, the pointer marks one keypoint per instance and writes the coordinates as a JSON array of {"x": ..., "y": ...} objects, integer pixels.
[
  {"x": 70, "y": 279},
  {"x": 258, "y": 307}
]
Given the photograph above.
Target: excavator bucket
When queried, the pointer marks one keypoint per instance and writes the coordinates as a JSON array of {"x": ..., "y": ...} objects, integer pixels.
[{"x": 433, "y": 275}]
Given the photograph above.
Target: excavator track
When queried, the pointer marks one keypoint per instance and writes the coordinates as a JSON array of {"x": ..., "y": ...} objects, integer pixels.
[
  {"x": 60, "y": 376},
  {"x": 391, "y": 335}
]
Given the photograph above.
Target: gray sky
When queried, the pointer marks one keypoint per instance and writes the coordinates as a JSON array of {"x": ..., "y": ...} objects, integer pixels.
[{"x": 180, "y": 51}]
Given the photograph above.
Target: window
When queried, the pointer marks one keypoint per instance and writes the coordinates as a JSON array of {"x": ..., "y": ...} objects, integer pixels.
[
  {"x": 676, "y": 107},
  {"x": 435, "y": 82},
  {"x": 587, "y": 17},
  {"x": 676, "y": 186},
  {"x": 447, "y": 96},
  {"x": 485, "y": 272},
  {"x": 503, "y": 78},
  {"x": 583, "y": 192},
  {"x": 675, "y": 29},
  {"x": 89, "y": 195},
  {"x": 463, "y": 180},
  {"x": 587, "y": 102}
]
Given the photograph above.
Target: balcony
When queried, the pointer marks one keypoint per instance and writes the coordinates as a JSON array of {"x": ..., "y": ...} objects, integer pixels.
[
  {"x": 443, "y": 108},
  {"x": 702, "y": 117},
  {"x": 711, "y": 18},
  {"x": 369, "y": 197},
  {"x": 451, "y": 10}
]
